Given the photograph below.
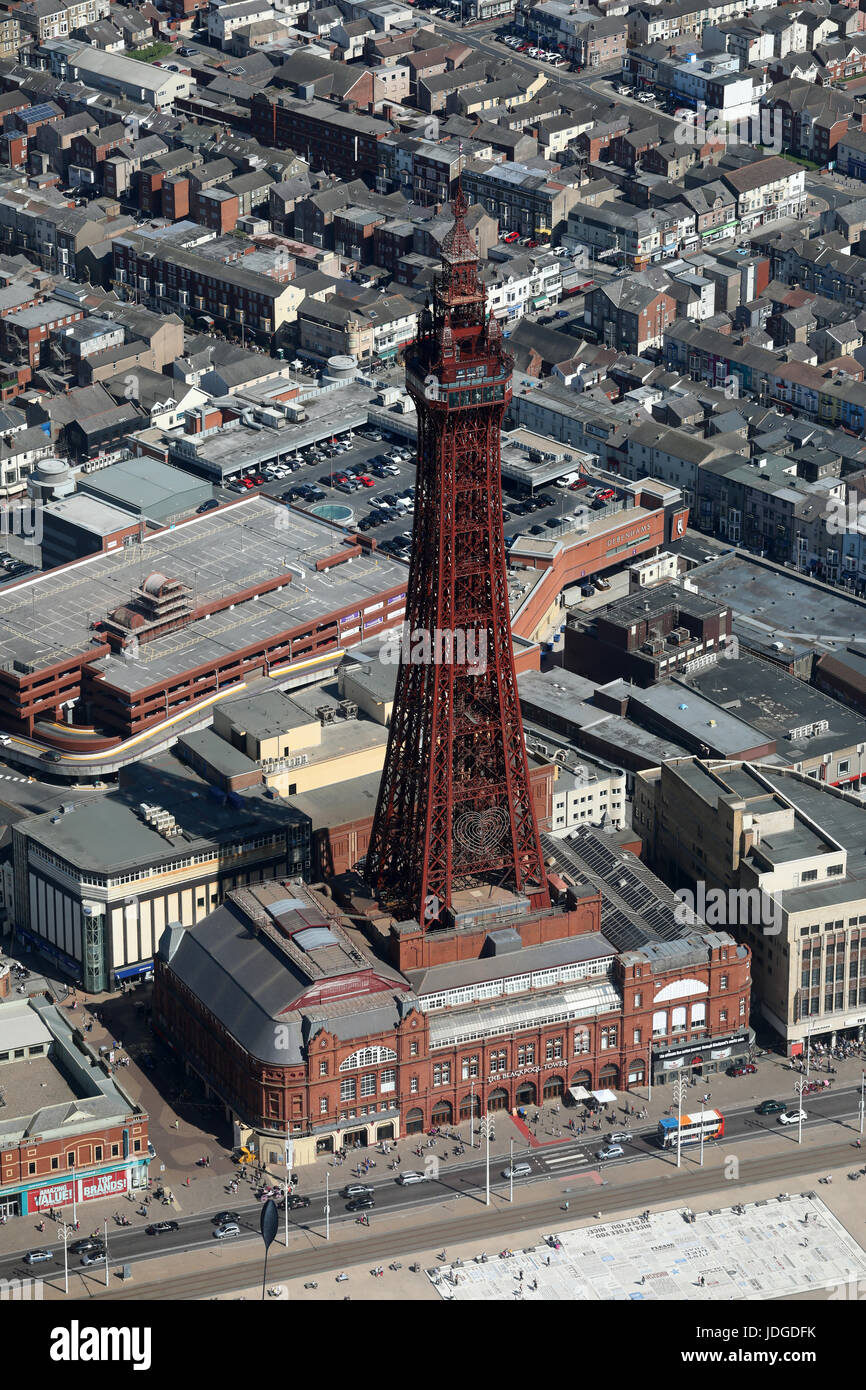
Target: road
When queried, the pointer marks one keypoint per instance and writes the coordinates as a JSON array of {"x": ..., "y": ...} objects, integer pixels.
[
  {"x": 829, "y": 1112},
  {"x": 485, "y": 1224}
]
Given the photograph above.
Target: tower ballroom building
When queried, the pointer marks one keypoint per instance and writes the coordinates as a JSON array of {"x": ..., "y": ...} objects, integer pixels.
[{"x": 479, "y": 965}]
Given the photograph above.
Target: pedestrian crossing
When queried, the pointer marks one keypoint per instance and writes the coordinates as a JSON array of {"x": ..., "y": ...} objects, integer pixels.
[
  {"x": 571, "y": 1157},
  {"x": 10, "y": 777}
]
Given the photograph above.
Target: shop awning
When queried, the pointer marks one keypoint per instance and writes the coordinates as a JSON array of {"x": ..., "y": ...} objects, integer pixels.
[
  {"x": 605, "y": 1097},
  {"x": 578, "y": 1093}
]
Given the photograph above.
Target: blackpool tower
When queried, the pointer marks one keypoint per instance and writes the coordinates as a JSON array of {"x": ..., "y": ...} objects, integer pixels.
[{"x": 455, "y": 809}]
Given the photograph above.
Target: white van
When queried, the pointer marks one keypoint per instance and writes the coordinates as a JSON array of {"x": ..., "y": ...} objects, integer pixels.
[{"x": 567, "y": 481}]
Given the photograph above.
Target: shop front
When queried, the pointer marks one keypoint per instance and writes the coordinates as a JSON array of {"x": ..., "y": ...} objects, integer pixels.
[
  {"x": 38, "y": 1198},
  {"x": 705, "y": 1058},
  {"x": 351, "y": 1134}
]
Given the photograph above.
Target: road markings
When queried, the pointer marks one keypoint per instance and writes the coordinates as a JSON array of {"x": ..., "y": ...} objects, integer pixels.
[{"x": 572, "y": 1156}]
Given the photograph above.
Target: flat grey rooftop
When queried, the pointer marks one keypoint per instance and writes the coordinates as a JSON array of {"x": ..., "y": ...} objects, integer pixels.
[
  {"x": 107, "y": 834},
  {"x": 229, "y": 451},
  {"x": 30, "y": 1083},
  {"x": 778, "y": 604},
  {"x": 220, "y": 554},
  {"x": 340, "y": 803},
  {"x": 652, "y": 603},
  {"x": 91, "y": 513},
  {"x": 217, "y": 752},
  {"x": 563, "y": 700},
  {"x": 699, "y": 717},
  {"x": 776, "y": 703}
]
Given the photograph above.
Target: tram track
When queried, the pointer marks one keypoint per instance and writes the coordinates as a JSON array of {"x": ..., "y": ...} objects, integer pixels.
[{"x": 484, "y": 1225}]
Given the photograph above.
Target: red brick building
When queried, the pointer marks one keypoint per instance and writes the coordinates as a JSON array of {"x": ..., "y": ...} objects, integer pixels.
[
  {"x": 65, "y": 1123},
  {"x": 344, "y": 1049}
]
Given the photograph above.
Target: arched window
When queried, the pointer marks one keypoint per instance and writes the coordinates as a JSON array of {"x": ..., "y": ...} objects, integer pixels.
[{"x": 368, "y": 1057}]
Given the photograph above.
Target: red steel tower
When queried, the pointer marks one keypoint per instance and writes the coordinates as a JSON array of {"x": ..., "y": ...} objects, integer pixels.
[{"x": 455, "y": 806}]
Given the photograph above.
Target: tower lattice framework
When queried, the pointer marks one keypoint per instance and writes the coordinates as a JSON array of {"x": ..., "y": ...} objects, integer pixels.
[{"x": 455, "y": 805}]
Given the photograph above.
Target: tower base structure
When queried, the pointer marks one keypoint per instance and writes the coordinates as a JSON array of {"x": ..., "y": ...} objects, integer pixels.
[{"x": 480, "y": 922}]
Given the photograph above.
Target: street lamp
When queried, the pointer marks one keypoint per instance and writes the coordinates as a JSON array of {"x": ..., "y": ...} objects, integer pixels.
[
  {"x": 327, "y": 1208},
  {"x": 680, "y": 1086},
  {"x": 472, "y": 1113},
  {"x": 488, "y": 1132},
  {"x": 290, "y": 1153},
  {"x": 862, "y": 1098},
  {"x": 702, "y": 1131},
  {"x": 799, "y": 1088},
  {"x": 511, "y": 1170},
  {"x": 66, "y": 1230}
]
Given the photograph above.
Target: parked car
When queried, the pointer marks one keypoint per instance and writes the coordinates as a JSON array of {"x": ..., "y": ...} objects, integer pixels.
[
  {"x": 772, "y": 1107},
  {"x": 209, "y": 506},
  {"x": 517, "y": 1170},
  {"x": 742, "y": 1069},
  {"x": 406, "y": 1179}
]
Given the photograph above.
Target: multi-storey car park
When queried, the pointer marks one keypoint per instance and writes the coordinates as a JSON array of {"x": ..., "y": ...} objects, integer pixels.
[{"x": 127, "y": 641}]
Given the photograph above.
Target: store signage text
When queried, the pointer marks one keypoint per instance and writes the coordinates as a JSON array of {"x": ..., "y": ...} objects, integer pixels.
[{"x": 510, "y": 1075}]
